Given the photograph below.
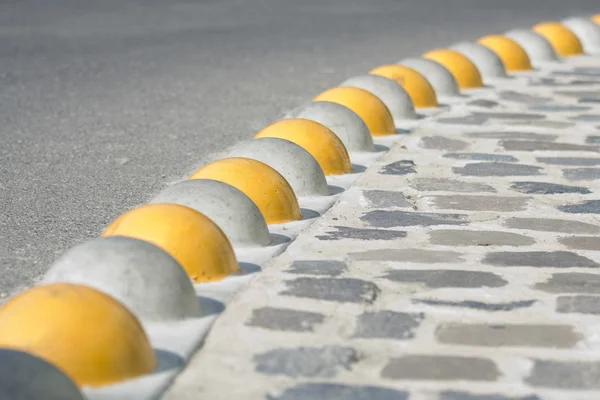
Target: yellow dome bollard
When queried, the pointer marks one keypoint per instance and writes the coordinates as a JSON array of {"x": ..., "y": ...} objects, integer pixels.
[
  {"x": 87, "y": 334},
  {"x": 416, "y": 85},
  {"x": 319, "y": 141},
  {"x": 366, "y": 105},
  {"x": 464, "y": 71},
  {"x": 190, "y": 237},
  {"x": 562, "y": 39},
  {"x": 512, "y": 55},
  {"x": 271, "y": 193}
]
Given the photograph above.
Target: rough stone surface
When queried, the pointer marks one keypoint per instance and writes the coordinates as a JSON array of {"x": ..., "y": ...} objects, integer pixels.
[
  {"x": 345, "y": 232},
  {"x": 586, "y": 207},
  {"x": 408, "y": 255},
  {"x": 449, "y": 185},
  {"x": 323, "y": 362},
  {"x": 443, "y": 143},
  {"x": 572, "y": 282},
  {"x": 578, "y": 304},
  {"x": 481, "y": 157},
  {"x": 402, "y": 167},
  {"x": 385, "y": 199},
  {"x": 281, "y": 319},
  {"x": 512, "y": 135},
  {"x": 512, "y": 335},
  {"x": 582, "y": 174},
  {"x": 477, "y": 305},
  {"x": 330, "y": 391},
  {"x": 573, "y": 161},
  {"x": 443, "y": 368},
  {"x": 581, "y": 242},
  {"x": 318, "y": 267},
  {"x": 547, "y": 188},
  {"x": 390, "y": 219},
  {"x": 478, "y": 238},
  {"x": 452, "y": 395},
  {"x": 448, "y": 278},
  {"x": 550, "y": 259},
  {"x": 339, "y": 290},
  {"x": 479, "y": 203},
  {"x": 565, "y": 375},
  {"x": 387, "y": 325},
  {"x": 537, "y": 145},
  {"x": 551, "y": 225},
  {"x": 497, "y": 169}
]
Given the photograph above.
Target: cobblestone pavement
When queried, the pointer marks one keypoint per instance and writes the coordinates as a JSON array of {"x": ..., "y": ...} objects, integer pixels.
[{"x": 461, "y": 266}]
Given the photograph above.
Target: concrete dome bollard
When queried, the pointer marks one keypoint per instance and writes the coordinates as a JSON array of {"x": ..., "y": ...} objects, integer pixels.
[
  {"x": 486, "y": 61},
  {"x": 25, "y": 377},
  {"x": 140, "y": 275},
  {"x": 537, "y": 47},
  {"x": 440, "y": 78},
  {"x": 341, "y": 120},
  {"x": 587, "y": 32},
  {"x": 389, "y": 91}
]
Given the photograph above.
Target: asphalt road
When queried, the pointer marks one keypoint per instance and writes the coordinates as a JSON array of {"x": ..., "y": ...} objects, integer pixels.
[{"x": 102, "y": 103}]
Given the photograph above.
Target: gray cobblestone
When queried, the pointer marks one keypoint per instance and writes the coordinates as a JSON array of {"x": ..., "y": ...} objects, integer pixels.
[
  {"x": 578, "y": 304},
  {"x": 281, "y": 319},
  {"x": 333, "y": 391},
  {"x": 581, "y": 242},
  {"x": 551, "y": 225},
  {"x": 318, "y": 267},
  {"x": 572, "y": 161},
  {"x": 478, "y": 305},
  {"x": 478, "y": 238},
  {"x": 385, "y": 199},
  {"x": 565, "y": 375},
  {"x": 557, "y": 336},
  {"x": 586, "y": 207},
  {"x": 390, "y": 219},
  {"x": 403, "y": 167},
  {"x": 449, "y": 185},
  {"x": 573, "y": 282},
  {"x": 346, "y": 232},
  {"x": 447, "y": 278},
  {"x": 513, "y": 135},
  {"x": 332, "y": 289},
  {"x": 408, "y": 255},
  {"x": 497, "y": 169},
  {"x": 547, "y": 188},
  {"x": 479, "y": 203},
  {"x": 582, "y": 174},
  {"x": 387, "y": 325},
  {"x": 550, "y": 259},
  {"x": 451, "y": 395},
  {"x": 321, "y": 362},
  {"x": 538, "y": 145},
  {"x": 443, "y": 368},
  {"x": 443, "y": 143}
]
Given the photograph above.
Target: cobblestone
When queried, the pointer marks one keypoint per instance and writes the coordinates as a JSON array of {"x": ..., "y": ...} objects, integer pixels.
[{"x": 462, "y": 265}]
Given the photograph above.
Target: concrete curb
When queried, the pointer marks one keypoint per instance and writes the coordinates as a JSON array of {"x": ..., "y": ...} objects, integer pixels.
[{"x": 238, "y": 212}]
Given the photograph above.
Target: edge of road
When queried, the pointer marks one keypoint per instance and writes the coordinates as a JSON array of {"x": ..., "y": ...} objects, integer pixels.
[{"x": 152, "y": 285}]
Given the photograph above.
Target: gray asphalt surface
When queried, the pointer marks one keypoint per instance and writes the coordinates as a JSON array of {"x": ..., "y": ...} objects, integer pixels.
[{"x": 103, "y": 103}]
